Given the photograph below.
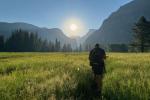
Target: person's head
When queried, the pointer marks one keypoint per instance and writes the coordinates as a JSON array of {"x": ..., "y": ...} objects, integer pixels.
[{"x": 97, "y": 45}]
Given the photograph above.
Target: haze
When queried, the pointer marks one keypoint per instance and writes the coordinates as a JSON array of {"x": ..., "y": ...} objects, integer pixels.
[{"x": 55, "y": 13}]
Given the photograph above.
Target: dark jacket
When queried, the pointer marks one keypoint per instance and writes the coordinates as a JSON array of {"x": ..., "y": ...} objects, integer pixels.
[{"x": 96, "y": 57}]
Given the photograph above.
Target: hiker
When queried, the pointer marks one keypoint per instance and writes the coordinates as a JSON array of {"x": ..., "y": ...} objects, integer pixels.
[{"x": 96, "y": 57}]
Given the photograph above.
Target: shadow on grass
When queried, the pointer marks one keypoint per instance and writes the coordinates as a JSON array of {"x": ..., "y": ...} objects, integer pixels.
[{"x": 84, "y": 90}]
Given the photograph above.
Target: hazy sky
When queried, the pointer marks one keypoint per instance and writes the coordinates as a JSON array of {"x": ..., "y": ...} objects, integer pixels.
[{"x": 54, "y": 13}]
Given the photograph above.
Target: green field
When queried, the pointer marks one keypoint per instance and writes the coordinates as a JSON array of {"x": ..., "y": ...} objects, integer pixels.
[{"x": 68, "y": 76}]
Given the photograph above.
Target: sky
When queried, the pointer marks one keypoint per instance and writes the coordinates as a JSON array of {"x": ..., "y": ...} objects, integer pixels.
[{"x": 85, "y": 14}]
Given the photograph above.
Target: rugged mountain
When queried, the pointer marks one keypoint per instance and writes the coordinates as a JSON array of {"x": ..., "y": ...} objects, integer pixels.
[
  {"x": 6, "y": 30},
  {"x": 90, "y": 32},
  {"x": 81, "y": 40},
  {"x": 118, "y": 27}
]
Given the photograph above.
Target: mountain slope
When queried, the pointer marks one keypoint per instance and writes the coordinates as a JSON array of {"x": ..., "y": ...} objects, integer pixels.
[
  {"x": 118, "y": 27},
  {"x": 88, "y": 34},
  {"x": 6, "y": 30}
]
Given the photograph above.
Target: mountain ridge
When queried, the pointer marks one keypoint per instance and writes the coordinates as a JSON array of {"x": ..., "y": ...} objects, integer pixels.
[
  {"x": 52, "y": 34},
  {"x": 117, "y": 28}
]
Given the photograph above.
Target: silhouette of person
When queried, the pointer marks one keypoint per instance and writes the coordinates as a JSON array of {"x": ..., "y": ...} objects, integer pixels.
[{"x": 96, "y": 57}]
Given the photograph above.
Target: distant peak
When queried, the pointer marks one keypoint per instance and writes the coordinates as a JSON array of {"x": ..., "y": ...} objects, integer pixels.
[
  {"x": 56, "y": 29},
  {"x": 92, "y": 29}
]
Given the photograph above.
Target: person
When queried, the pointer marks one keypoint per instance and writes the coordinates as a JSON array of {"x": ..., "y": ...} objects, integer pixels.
[{"x": 96, "y": 58}]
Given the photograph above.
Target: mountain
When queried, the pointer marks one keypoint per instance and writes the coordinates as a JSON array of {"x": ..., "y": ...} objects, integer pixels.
[
  {"x": 81, "y": 40},
  {"x": 88, "y": 34},
  {"x": 117, "y": 28},
  {"x": 6, "y": 30}
]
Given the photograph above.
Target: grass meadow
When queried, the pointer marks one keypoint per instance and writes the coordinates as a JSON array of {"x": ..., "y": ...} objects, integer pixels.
[{"x": 68, "y": 76}]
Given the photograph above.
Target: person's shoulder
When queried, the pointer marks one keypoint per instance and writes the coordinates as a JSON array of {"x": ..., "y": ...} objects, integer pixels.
[
  {"x": 101, "y": 49},
  {"x": 91, "y": 50}
]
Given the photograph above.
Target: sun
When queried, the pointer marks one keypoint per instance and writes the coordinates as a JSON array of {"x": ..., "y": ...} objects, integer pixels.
[{"x": 73, "y": 27}]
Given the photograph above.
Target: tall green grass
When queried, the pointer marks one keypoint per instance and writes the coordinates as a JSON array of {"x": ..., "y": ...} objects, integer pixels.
[{"x": 68, "y": 76}]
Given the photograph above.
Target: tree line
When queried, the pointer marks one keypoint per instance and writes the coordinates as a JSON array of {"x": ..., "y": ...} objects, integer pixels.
[{"x": 24, "y": 41}]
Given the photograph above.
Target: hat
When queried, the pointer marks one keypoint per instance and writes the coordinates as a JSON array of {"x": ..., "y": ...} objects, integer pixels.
[{"x": 96, "y": 45}]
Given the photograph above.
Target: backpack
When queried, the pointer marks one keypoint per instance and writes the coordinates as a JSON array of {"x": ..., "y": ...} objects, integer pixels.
[{"x": 95, "y": 56}]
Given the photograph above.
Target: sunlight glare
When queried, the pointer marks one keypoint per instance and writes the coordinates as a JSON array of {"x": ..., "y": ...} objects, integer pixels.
[{"x": 73, "y": 27}]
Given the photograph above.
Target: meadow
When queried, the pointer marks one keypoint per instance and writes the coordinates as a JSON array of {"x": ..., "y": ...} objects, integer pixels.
[{"x": 68, "y": 76}]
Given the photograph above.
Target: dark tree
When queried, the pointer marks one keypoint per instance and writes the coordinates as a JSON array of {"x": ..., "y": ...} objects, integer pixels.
[
  {"x": 118, "y": 48},
  {"x": 64, "y": 49},
  {"x": 33, "y": 40},
  {"x": 80, "y": 48},
  {"x": 45, "y": 46},
  {"x": 23, "y": 41},
  {"x": 142, "y": 34},
  {"x": 57, "y": 45},
  {"x": 69, "y": 48},
  {"x": 1, "y": 43},
  {"x": 51, "y": 46},
  {"x": 87, "y": 47}
]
